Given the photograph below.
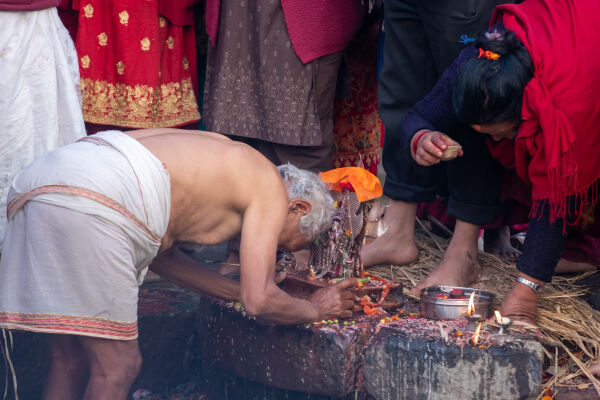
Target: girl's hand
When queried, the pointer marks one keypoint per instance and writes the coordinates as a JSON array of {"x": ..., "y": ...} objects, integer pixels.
[{"x": 430, "y": 147}]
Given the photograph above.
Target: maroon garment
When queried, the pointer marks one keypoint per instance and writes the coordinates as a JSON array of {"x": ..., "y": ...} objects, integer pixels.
[
  {"x": 316, "y": 27},
  {"x": 27, "y": 5}
]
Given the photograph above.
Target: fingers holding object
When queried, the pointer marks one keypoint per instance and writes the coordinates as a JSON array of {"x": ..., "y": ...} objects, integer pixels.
[{"x": 426, "y": 159}]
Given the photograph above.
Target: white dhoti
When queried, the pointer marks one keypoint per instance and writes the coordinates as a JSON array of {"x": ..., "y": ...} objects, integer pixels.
[
  {"x": 84, "y": 222},
  {"x": 40, "y": 107}
]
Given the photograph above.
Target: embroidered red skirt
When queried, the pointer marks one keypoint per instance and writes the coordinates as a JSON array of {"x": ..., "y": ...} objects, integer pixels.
[{"x": 137, "y": 68}]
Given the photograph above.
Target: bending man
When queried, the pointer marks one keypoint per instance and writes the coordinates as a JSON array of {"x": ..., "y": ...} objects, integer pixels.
[{"x": 86, "y": 220}]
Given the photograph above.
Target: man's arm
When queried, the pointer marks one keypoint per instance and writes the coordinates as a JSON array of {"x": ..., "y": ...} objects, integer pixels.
[
  {"x": 188, "y": 273},
  {"x": 259, "y": 294}
]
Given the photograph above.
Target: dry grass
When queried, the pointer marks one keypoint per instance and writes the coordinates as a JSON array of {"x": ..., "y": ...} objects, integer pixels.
[{"x": 568, "y": 324}]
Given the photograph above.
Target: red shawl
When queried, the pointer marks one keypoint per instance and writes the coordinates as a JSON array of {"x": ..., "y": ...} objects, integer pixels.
[{"x": 556, "y": 148}]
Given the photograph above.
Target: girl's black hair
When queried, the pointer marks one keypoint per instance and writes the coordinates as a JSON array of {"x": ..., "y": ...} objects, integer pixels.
[{"x": 489, "y": 91}]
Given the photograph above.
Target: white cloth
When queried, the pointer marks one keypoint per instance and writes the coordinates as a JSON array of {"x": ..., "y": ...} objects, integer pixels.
[
  {"x": 40, "y": 107},
  {"x": 84, "y": 223}
]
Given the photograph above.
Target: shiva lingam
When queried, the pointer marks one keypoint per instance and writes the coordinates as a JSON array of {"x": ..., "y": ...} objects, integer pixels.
[
  {"x": 335, "y": 253},
  {"x": 504, "y": 322}
]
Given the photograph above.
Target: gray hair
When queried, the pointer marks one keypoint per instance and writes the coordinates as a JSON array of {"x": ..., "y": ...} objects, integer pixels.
[{"x": 306, "y": 185}]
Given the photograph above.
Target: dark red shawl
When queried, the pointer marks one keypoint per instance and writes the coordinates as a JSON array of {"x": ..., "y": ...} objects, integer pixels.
[{"x": 557, "y": 146}]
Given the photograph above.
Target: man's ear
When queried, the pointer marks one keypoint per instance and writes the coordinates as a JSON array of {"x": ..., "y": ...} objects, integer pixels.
[{"x": 299, "y": 206}]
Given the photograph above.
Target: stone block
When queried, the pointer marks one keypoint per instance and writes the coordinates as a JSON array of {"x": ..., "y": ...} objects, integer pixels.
[
  {"x": 401, "y": 367},
  {"x": 298, "y": 358},
  {"x": 167, "y": 321},
  {"x": 167, "y": 316}
]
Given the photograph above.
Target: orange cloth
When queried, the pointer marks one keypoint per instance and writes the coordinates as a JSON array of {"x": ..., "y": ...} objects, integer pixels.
[{"x": 365, "y": 184}]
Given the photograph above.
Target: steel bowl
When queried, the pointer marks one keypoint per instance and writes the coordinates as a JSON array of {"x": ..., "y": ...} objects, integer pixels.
[{"x": 434, "y": 307}]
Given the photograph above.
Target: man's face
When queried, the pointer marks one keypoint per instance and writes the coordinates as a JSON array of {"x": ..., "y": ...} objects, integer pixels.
[
  {"x": 296, "y": 241},
  {"x": 499, "y": 130},
  {"x": 291, "y": 239}
]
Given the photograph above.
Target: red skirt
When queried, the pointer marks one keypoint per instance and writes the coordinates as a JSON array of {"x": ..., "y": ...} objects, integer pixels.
[{"x": 137, "y": 69}]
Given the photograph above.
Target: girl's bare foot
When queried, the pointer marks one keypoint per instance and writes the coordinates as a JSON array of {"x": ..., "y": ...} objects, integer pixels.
[{"x": 497, "y": 242}]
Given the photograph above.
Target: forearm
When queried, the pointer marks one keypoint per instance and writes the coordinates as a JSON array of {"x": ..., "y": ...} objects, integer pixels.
[
  {"x": 188, "y": 273},
  {"x": 276, "y": 306}
]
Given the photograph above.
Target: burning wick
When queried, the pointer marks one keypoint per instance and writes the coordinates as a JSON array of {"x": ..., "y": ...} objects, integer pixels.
[
  {"x": 471, "y": 307},
  {"x": 475, "y": 337},
  {"x": 471, "y": 316},
  {"x": 504, "y": 322}
]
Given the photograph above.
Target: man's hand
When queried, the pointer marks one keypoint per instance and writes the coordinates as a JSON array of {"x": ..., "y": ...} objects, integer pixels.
[
  {"x": 430, "y": 147},
  {"x": 335, "y": 301}
]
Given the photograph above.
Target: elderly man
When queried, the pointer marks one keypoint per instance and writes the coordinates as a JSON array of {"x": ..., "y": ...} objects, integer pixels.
[{"x": 86, "y": 220}]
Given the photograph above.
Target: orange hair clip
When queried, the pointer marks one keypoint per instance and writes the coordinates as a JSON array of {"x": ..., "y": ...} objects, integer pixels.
[{"x": 490, "y": 55}]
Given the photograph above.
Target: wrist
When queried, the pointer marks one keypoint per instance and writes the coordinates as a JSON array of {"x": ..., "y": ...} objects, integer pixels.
[
  {"x": 316, "y": 312},
  {"x": 415, "y": 140}
]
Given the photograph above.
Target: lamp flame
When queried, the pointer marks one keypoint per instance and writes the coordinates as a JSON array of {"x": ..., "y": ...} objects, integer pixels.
[
  {"x": 498, "y": 316},
  {"x": 475, "y": 337},
  {"x": 471, "y": 307}
]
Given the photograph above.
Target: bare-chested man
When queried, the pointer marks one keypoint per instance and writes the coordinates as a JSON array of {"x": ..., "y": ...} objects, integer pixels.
[{"x": 87, "y": 219}]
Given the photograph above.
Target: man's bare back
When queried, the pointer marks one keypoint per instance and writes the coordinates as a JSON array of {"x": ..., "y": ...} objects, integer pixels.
[
  {"x": 221, "y": 189},
  {"x": 213, "y": 181}
]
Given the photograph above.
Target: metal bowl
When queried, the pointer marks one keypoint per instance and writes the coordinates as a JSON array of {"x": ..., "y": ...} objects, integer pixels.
[{"x": 433, "y": 307}]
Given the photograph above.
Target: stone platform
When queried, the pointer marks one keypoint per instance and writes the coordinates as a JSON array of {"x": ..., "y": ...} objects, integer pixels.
[
  {"x": 380, "y": 359},
  {"x": 184, "y": 337}
]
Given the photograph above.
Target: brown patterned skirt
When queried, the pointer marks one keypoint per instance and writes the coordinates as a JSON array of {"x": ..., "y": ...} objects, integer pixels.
[{"x": 256, "y": 86}]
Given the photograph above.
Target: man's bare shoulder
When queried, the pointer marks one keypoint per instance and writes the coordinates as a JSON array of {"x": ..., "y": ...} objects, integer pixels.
[{"x": 184, "y": 151}]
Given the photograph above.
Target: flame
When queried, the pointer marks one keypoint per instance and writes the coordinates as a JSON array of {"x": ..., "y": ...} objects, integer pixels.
[
  {"x": 498, "y": 316},
  {"x": 471, "y": 308},
  {"x": 475, "y": 337}
]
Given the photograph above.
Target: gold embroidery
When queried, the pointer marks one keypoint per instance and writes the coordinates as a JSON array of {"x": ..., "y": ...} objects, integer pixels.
[
  {"x": 120, "y": 68},
  {"x": 88, "y": 11},
  {"x": 145, "y": 44},
  {"x": 170, "y": 42},
  {"x": 139, "y": 106},
  {"x": 102, "y": 39},
  {"x": 85, "y": 62},
  {"x": 124, "y": 17},
  {"x": 185, "y": 63},
  {"x": 162, "y": 22}
]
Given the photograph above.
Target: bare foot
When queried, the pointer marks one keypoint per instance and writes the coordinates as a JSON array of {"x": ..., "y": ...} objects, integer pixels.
[
  {"x": 459, "y": 266},
  {"x": 497, "y": 242},
  {"x": 397, "y": 245},
  {"x": 390, "y": 249},
  {"x": 520, "y": 305},
  {"x": 566, "y": 266},
  {"x": 452, "y": 271}
]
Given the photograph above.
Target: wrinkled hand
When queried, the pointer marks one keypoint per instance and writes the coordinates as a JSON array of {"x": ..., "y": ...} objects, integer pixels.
[
  {"x": 335, "y": 301},
  {"x": 430, "y": 148}
]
